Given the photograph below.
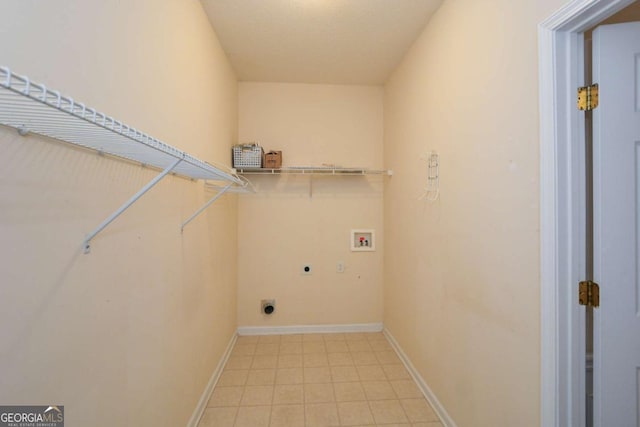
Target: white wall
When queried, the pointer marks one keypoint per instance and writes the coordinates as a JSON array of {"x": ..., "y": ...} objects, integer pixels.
[
  {"x": 462, "y": 274},
  {"x": 282, "y": 227},
  {"x": 130, "y": 334}
]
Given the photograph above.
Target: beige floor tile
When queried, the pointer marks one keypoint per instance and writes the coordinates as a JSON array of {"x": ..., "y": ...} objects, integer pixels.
[
  {"x": 387, "y": 357},
  {"x": 321, "y": 415},
  {"x": 418, "y": 410},
  {"x": 267, "y": 348},
  {"x": 291, "y": 338},
  {"x": 333, "y": 337},
  {"x": 257, "y": 395},
  {"x": 226, "y": 396},
  {"x": 233, "y": 377},
  {"x": 341, "y": 374},
  {"x": 264, "y": 361},
  {"x": 289, "y": 376},
  {"x": 356, "y": 336},
  {"x": 244, "y": 349},
  {"x": 349, "y": 392},
  {"x": 380, "y": 346},
  {"x": 290, "y": 361},
  {"x": 354, "y": 413},
  {"x": 318, "y": 393},
  {"x": 290, "y": 348},
  {"x": 395, "y": 372},
  {"x": 287, "y": 416},
  {"x": 317, "y": 375},
  {"x": 378, "y": 390},
  {"x": 247, "y": 339},
  {"x": 364, "y": 358},
  {"x": 316, "y": 380},
  {"x": 269, "y": 339},
  {"x": 288, "y": 394},
  {"x": 314, "y": 347},
  {"x": 387, "y": 412},
  {"x": 376, "y": 336},
  {"x": 337, "y": 347},
  {"x": 261, "y": 377},
  {"x": 406, "y": 389},
  {"x": 340, "y": 359},
  {"x": 356, "y": 346},
  {"x": 253, "y": 416},
  {"x": 312, "y": 338},
  {"x": 371, "y": 373},
  {"x": 239, "y": 362},
  {"x": 315, "y": 360},
  {"x": 218, "y": 417}
]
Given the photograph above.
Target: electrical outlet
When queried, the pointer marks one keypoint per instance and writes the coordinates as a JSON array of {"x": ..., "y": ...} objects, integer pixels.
[
  {"x": 307, "y": 269},
  {"x": 340, "y": 267}
]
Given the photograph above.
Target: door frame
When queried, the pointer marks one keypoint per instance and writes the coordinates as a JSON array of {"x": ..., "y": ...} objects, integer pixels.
[{"x": 562, "y": 203}]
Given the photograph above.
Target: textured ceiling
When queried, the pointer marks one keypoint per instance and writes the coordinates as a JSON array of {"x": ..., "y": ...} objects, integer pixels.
[{"x": 317, "y": 41}]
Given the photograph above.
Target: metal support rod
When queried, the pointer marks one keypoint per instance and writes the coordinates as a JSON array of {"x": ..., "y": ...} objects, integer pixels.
[
  {"x": 126, "y": 205},
  {"x": 199, "y": 211}
]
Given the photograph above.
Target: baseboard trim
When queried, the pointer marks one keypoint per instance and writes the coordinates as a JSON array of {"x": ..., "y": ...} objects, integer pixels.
[
  {"x": 445, "y": 419},
  {"x": 309, "y": 329},
  {"x": 206, "y": 395}
]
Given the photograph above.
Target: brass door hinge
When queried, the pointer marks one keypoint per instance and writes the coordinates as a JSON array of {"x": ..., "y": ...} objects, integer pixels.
[
  {"x": 589, "y": 293},
  {"x": 588, "y": 97}
]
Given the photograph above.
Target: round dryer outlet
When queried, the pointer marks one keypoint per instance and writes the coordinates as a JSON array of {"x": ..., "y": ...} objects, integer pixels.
[{"x": 268, "y": 306}]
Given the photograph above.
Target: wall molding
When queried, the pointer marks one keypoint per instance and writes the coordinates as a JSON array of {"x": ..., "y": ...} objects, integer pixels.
[
  {"x": 206, "y": 394},
  {"x": 309, "y": 329},
  {"x": 444, "y": 416}
]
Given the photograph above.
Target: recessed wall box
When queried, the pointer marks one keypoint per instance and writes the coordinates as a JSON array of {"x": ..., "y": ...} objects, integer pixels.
[{"x": 363, "y": 240}]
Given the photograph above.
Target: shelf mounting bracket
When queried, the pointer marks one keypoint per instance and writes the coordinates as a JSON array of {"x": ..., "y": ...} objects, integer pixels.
[
  {"x": 206, "y": 205},
  {"x": 127, "y": 204}
]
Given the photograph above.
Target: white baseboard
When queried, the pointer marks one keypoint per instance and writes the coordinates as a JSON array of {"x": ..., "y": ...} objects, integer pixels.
[
  {"x": 309, "y": 329},
  {"x": 445, "y": 419},
  {"x": 206, "y": 395}
]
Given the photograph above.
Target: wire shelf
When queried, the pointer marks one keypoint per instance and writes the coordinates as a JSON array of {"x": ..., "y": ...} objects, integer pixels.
[
  {"x": 312, "y": 170},
  {"x": 32, "y": 107}
]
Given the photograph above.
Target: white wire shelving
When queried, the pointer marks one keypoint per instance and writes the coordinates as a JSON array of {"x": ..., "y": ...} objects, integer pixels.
[
  {"x": 32, "y": 107},
  {"x": 313, "y": 170}
]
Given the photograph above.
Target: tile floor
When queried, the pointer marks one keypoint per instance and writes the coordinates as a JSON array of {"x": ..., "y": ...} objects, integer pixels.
[{"x": 316, "y": 380}]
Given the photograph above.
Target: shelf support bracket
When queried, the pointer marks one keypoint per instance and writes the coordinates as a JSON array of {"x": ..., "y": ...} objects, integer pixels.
[
  {"x": 127, "y": 204},
  {"x": 199, "y": 211}
]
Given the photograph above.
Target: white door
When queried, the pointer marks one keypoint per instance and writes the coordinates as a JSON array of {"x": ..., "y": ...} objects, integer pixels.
[{"x": 616, "y": 139}]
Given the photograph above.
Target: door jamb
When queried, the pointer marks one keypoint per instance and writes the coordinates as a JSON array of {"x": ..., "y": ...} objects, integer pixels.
[{"x": 562, "y": 181}]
